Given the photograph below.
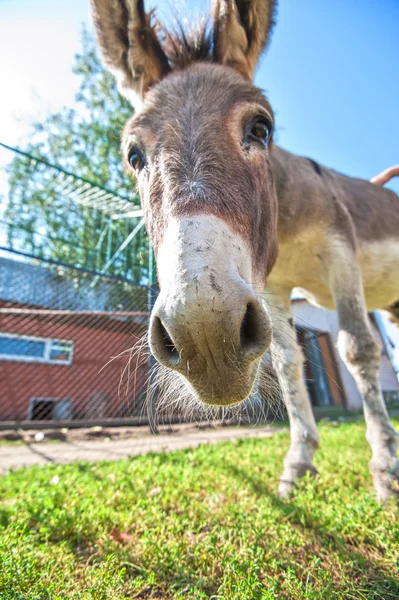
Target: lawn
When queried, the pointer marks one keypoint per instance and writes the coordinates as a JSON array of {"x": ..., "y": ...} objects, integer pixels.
[{"x": 202, "y": 523}]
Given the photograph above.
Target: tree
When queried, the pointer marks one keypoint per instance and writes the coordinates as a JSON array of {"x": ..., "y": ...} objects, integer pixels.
[{"x": 46, "y": 221}]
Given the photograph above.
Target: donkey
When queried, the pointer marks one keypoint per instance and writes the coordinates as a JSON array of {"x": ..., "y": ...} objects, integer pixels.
[{"x": 232, "y": 216}]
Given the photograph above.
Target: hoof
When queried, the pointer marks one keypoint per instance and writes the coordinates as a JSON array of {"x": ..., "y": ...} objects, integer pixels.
[
  {"x": 386, "y": 484},
  {"x": 291, "y": 475},
  {"x": 285, "y": 488}
]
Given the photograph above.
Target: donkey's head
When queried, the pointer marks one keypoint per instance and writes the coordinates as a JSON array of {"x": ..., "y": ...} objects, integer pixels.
[{"x": 199, "y": 144}]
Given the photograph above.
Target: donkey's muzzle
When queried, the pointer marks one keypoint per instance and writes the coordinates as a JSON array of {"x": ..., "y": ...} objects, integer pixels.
[{"x": 215, "y": 343}]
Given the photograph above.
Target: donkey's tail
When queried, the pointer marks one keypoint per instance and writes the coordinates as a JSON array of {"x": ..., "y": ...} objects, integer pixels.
[{"x": 383, "y": 177}]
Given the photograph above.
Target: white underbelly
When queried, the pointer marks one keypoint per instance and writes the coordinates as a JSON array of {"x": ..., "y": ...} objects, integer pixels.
[
  {"x": 301, "y": 267},
  {"x": 379, "y": 262}
]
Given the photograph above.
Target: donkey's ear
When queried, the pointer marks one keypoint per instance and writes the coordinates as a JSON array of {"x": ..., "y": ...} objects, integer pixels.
[
  {"x": 130, "y": 47},
  {"x": 241, "y": 32}
]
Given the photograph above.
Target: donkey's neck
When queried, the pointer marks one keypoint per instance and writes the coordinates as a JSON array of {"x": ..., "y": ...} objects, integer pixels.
[{"x": 310, "y": 195}]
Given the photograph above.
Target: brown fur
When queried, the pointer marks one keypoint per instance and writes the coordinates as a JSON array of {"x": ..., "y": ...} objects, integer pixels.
[
  {"x": 241, "y": 32},
  {"x": 139, "y": 51},
  {"x": 129, "y": 44},
  {"x": 307, "y": 195},
  {"x": 197, "y": 162}
]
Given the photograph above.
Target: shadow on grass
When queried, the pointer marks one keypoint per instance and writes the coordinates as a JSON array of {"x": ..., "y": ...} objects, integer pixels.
[
  {"x": 356, "y": 567},
  {"x": 355, "y": 562}
]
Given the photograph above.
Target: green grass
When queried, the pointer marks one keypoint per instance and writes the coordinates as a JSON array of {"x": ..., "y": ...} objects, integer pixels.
[{"x": 202, "y": 523}]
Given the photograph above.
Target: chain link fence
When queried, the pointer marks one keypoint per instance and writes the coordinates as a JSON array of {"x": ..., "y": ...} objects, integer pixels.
[
  {"x": 75, "y": 266},
  {"x": 67, "y": 340}
]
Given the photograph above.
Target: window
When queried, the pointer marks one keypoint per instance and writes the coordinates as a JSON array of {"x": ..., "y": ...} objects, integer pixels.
[
  {"x": 49, "y": 409},
  {"x": 23, "y": 348},
  {"x": 60, "y": 351}
]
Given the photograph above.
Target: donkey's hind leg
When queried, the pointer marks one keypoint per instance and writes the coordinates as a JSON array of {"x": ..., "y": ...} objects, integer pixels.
[
  {"x": 288, "y": 361},
  {"x": 361, "y": 354}
]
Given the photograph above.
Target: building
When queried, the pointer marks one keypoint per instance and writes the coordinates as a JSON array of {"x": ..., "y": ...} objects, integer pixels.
[
  {"x": 64, "y": 343},
  {"x": 328, "y": 380}
]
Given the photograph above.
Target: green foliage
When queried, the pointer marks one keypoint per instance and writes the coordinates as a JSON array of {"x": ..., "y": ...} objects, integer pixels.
[
  {"x": 43, "y": 218},
  {"x": 203, "y": 523}
]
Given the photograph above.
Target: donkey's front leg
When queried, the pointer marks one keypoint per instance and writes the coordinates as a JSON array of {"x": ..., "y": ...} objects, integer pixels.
[
  {"x": 288, "y": 361},
  {"x": 361, "y": 355}
]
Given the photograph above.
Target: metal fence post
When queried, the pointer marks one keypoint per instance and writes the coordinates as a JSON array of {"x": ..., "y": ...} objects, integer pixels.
[{"x": 151, "y": 391}]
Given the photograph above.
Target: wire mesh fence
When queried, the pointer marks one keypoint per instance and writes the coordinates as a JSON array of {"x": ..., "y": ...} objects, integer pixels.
[
  {"x": 50, "y": 213},
  {"x": 65, "y": 343},
  {"x": 74, "y": 274}
]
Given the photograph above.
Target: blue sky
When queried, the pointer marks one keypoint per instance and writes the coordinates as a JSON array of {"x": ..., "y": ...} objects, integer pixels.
[{"x": 331, "y": 74}]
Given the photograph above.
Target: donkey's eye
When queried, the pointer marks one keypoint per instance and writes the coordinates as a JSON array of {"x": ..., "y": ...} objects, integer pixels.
[
  {"x": 136, "y": 160},
  {"x": 260, "y": 132}
]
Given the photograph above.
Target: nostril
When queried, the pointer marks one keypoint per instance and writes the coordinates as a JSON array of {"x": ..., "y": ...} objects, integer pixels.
[
  {"x": 168, "y": 342},
  {"x": 162, "y": 345},
  {"x": 255, "y": 332},
  {"x": 248, "y": 333}
]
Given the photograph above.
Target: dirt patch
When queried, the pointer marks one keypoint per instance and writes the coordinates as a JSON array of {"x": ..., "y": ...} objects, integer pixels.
[{"x": 63, "y": 434}]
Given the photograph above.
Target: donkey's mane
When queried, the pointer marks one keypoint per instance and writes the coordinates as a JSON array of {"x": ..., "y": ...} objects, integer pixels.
[{"x": 183, "y": 47}]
